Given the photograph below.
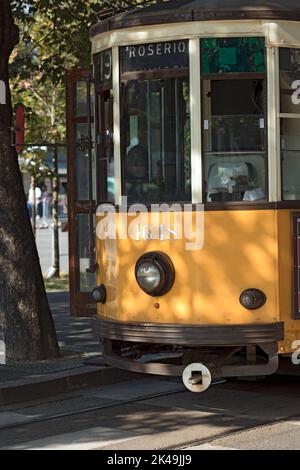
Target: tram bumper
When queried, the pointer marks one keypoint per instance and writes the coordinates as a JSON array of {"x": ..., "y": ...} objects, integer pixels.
[{"x": 192, "y": 339}]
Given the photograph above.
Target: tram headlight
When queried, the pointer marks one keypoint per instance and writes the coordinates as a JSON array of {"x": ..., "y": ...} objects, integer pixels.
[
  {"x": 155, "y": 273},
  {"x": 148, "y": 276},
  {"x": 252, "y": 299}
]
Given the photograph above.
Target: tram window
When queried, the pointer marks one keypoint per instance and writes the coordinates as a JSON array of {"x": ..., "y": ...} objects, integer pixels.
[
  {"x": 103, "y": 71},
  {"x": 289, "y": 81},
  {"x": 81, "y": 98},
  {"x": 81, "y": 162},
  {"x": 105, "y": 146},
  {"x": 233, "y": 55},
  {"x": 234, "y": 124},
  {"x": 86, "y": 281},
  {"x": 156, "y": 150},
  {"x": 157, "y": 157},
  {"x": 290, "y": 155},
  {"x": 290, "y": 124}
]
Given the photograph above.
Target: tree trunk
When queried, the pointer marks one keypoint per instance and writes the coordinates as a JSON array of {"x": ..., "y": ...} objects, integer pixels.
[{"x": 25, "y": 316}]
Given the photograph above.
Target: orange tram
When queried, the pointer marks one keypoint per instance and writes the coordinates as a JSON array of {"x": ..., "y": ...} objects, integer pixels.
[{"x": 190, "y": 116}]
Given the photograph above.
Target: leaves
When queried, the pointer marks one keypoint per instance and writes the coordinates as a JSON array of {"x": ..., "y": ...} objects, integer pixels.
[
  {"x": 54, "y": 36},
  {"x": 32, "y": 162}
]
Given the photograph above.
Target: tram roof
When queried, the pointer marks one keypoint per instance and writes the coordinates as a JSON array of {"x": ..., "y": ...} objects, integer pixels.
[{"x": 175, "y": 11}]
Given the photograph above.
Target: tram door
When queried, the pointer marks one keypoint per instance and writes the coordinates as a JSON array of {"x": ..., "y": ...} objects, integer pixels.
[
  {"x": 105, "y": 186},
  {"x": 82, "y": 190}
]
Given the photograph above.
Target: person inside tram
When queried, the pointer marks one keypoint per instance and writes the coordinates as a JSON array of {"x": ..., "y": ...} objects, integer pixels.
[{"x": 136, "y": 171}]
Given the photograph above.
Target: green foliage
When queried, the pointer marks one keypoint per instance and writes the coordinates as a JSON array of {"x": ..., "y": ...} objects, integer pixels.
[
  {"x": 32, "y": 162},
  {"x": 54, "y": 36}
]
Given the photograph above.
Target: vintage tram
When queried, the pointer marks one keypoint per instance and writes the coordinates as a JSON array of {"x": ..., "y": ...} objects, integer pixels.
[{"x": 196, "y": 104}]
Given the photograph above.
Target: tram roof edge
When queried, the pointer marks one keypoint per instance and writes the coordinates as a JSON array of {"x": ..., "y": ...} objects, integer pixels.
[{"x": 177, "y": 11}]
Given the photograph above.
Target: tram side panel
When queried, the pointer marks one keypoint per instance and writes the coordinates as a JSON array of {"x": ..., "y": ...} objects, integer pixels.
[
  {"x": 240, "y": 252},
  {"x": 288, "y": 265}
]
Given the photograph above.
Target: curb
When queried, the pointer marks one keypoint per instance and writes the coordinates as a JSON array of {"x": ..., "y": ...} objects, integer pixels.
[{"x": 25, "y": 390}]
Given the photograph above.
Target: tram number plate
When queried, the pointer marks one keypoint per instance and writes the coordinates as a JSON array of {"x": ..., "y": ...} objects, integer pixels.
[{"x": 163, "y": 232}]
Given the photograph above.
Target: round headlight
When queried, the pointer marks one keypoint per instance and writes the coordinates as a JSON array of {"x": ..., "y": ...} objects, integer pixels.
[
  {"x": 149, "y": 276},
  {"x": 155, "y": 273}
]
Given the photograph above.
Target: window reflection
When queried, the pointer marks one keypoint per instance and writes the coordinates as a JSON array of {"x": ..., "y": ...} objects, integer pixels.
[
  {"x": 106, "y": 157},
  {"x": 81, "y": 163},
  {"x": 290, "y": 153},
  {"x": 156, "y": 154},
  {"x": 289, "y": 75},
  {"x": 234, "y": 124},
  {"x": 103, "y": 71},
  {"x": 233, "y": 55},
  {"x": 290, "y": 124},
  {"x": 81, "y": 98},
  {"x": 87, "y": 280}
]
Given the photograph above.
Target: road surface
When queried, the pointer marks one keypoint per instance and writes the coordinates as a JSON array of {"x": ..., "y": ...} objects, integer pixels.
[{"x": 157, "y": 413}]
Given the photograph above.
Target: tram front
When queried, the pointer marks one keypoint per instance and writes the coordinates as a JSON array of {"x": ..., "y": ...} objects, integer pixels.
[{"x": 198, "y": 188}]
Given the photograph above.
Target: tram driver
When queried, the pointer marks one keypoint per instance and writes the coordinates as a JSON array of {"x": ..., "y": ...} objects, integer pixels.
[{"x": 136, "y": 172}]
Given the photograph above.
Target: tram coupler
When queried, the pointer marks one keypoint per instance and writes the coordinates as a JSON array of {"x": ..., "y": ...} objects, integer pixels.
[{"x": 197, "y": 377}]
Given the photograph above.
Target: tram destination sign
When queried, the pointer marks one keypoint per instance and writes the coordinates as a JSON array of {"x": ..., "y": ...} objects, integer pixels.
[{"x": 155, "y": 56}]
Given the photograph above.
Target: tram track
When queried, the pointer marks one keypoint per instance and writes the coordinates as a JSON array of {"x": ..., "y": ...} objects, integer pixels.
[
  {"x": 119, "y": 403},
  {"x": 116, "y": 403},
  {"x": 89, "y": 409},
  {"x": 230, "y": 433},
  {"x": 182, "y": 446}
]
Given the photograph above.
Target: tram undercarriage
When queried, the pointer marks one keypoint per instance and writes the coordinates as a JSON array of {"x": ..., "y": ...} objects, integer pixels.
[{"x": 197, "y": 364}]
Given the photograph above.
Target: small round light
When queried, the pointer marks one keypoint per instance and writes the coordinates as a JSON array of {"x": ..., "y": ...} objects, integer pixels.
[
  {"x": 252, "y": 299},
  {"x": 148, "y": 276},
  {"x": 99, "y": 294},
  {"x": 155, "y": 273}
]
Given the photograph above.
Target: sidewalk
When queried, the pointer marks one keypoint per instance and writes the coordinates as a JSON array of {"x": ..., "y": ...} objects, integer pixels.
[
  {"x": 74, "y": 334},
  {"x": 44, "y": 245},
  {"x": 79, "y": 366}
]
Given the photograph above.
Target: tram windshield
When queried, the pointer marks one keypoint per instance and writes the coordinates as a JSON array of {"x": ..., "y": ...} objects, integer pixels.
[
  {"x": 234, "y": 123},
  {"x": 156, "y": 151}
]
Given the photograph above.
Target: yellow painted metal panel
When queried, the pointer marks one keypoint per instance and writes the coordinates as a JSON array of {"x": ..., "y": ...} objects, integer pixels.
[
  {"x": 285, "y": 254},
  {"x": 240, "y": 252}
]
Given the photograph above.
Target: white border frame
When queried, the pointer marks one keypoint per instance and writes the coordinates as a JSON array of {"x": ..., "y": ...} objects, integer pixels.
[
  {"x": 177, "y": 31},
  {"x": 196, "y": 121},
  {"x": 273, "y": 103}
]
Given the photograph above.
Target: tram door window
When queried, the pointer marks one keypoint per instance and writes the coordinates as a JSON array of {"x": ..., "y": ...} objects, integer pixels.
[
  {"x": 81, "y": 183},
  {"x": 85, "y": 280},
  {"x": 104, "y": 127},
  {"x": 234, "y": 125},
  {"x": 156, "y": 151},
  {"x": 290, "y": 122},
  {"x": 105, "y": 146},
  {"x": 81, "y": 162}
]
